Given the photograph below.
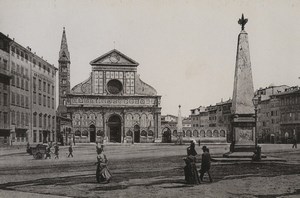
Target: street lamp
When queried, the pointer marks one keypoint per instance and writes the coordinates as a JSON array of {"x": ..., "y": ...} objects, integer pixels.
[{"x": 255, "y": 103}]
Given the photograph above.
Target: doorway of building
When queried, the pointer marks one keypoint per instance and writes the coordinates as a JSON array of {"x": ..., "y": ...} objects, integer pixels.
[
  {"x": 45, "y": 135},
  {"x": 92, "y": 133},
  {"x": 137, "y": 133},
  {"x": 114, "y": 124},
  {"x": 166, "y": 136}
]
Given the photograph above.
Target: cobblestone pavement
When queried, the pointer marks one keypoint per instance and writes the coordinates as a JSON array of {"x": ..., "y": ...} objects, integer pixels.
[{"x": 143, "y": 170}]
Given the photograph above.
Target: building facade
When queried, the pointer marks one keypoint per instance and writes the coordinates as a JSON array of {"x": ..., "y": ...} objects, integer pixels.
[
  {"x": 268, "y": 114},
  {"x": 207, "y": 124},
  {"x": 289, "y": 106},
  {"x": 31, "y": 95},
  {"x": 5, "y": 76},
  {"x": 114, "y": 104}
]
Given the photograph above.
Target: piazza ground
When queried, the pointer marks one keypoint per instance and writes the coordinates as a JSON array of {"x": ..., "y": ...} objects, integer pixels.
[{"x": 146, "y": 170}]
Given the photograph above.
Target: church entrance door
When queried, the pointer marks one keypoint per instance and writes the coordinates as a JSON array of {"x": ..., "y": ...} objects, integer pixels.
[
  {"x": 114, "y": 124},
  {"x": 137, "y": 133},
  {"x": 92, "y": 133}
]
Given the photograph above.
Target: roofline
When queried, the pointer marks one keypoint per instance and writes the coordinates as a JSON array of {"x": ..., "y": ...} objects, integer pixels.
[
  {"x": 27, "y": 50},
  {"x": 114, "y": 50}
]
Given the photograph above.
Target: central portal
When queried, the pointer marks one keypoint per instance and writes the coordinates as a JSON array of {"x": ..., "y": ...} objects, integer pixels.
[
  {"x": 137, "y": 133},
  {"x": 114, "y": 124}
]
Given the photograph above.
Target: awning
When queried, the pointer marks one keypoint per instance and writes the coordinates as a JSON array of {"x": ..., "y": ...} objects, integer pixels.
[{"x": 4, "y": 132}]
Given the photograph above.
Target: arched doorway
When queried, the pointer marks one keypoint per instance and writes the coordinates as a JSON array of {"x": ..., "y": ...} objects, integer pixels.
[
  {"x": 137, "y": 133},
  {"x": 114, "y": 124},
  {"x": 92, "y": 133},
  {"x": 166, "y": 136}
]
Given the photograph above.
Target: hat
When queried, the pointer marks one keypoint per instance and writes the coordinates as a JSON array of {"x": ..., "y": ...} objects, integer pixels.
[{"x": 204, "y": 147}]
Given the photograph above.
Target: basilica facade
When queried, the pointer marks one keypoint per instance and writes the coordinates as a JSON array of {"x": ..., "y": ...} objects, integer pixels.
[{"x": 113, "y": 104}]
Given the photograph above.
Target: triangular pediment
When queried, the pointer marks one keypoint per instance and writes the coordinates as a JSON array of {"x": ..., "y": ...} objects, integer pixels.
[{"x": 114, "y": 58}]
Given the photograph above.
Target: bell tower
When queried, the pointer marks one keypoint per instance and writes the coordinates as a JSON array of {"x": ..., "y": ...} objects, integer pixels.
[{"x": 64, "y": 74}]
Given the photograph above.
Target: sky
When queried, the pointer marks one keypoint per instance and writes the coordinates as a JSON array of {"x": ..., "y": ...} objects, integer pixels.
[{"x": 186, "y": 49}]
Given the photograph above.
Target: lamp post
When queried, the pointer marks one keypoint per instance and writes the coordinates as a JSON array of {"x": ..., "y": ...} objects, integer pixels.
[{"x": 255, "y": 103}]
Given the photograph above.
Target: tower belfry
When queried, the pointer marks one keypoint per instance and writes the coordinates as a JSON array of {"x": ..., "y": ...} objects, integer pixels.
[{"x": 64, "y": 74}]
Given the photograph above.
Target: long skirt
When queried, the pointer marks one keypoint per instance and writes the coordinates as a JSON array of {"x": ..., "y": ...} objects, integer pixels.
[
  {"x": 103, "y": 174},
  {"x": 191, "y": 174}
]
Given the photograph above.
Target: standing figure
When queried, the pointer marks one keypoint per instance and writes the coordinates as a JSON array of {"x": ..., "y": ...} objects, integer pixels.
[
  {"x": 190, "y": 169},
  {"x": 70, "y": 150},
  {"x": 28, "y": 150},
  {"x": 48, "y": 151},
  {"x": 205, "y": 164},
  {"x": 191, "y": 149},
  {"x": 56, "y": 149},
  {"x": 102, "y": 173},
  {"x": 294, "y": 142}
]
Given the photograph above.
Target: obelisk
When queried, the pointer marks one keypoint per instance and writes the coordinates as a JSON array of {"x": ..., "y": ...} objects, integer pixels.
[
  {"x": 179, "y": 127},
  {"x": 243, "y": 122}
]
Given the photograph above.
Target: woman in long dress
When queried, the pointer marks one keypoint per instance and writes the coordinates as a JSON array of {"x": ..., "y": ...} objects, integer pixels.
[
  {"x": 190, "y": 169},
  {"x": 102, "y": 173}
]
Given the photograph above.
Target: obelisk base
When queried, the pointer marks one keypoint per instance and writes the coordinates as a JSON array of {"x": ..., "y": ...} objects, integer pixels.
[{"x": 243, "y": 143}]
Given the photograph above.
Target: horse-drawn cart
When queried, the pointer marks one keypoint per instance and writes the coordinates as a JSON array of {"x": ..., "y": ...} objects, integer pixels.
[{"x": 39, "y": 151}]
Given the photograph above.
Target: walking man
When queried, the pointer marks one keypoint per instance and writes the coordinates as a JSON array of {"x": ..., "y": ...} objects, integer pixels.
[
  {"x": 48, "y": 151},
  {"x": 56, "y": 149},
  {"x": 205, "y": 163},
  {"x": 70, "y": 151},
  {"x": 294, "y": 142}
]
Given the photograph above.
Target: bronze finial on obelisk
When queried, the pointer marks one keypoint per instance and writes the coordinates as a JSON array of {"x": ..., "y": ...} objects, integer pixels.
[{"x": 242, "y": 21}]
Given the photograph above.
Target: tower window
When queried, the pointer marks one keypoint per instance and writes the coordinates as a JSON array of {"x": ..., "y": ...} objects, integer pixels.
[{"x": 64, "y": 69}]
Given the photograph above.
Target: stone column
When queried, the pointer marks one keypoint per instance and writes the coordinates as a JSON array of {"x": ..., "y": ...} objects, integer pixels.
[
  {"x": 104, "y": 126},
  {"x": 123, "y": 128}
]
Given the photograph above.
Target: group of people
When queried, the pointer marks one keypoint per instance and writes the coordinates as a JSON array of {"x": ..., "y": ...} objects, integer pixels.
[
  {"x": 190, "y": 169},
  {"x": 56, "y": 151}
]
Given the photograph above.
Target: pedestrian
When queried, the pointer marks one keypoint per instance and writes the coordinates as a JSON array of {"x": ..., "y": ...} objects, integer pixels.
[
  {"x": 56, "y": 149},
  {"x": 70, "y": 150},
  {"x": 294, "y": 143},
  {"x": 199, "y": 142},
  {"x": 102, "y": 173},
  {"x": 190, "y": 169},
  {"x": 191, "y": 149},
  {"x": 48, "y": 151},
  {"x": 205, "y": 163},
  {"x": 28, "y": 148}
]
